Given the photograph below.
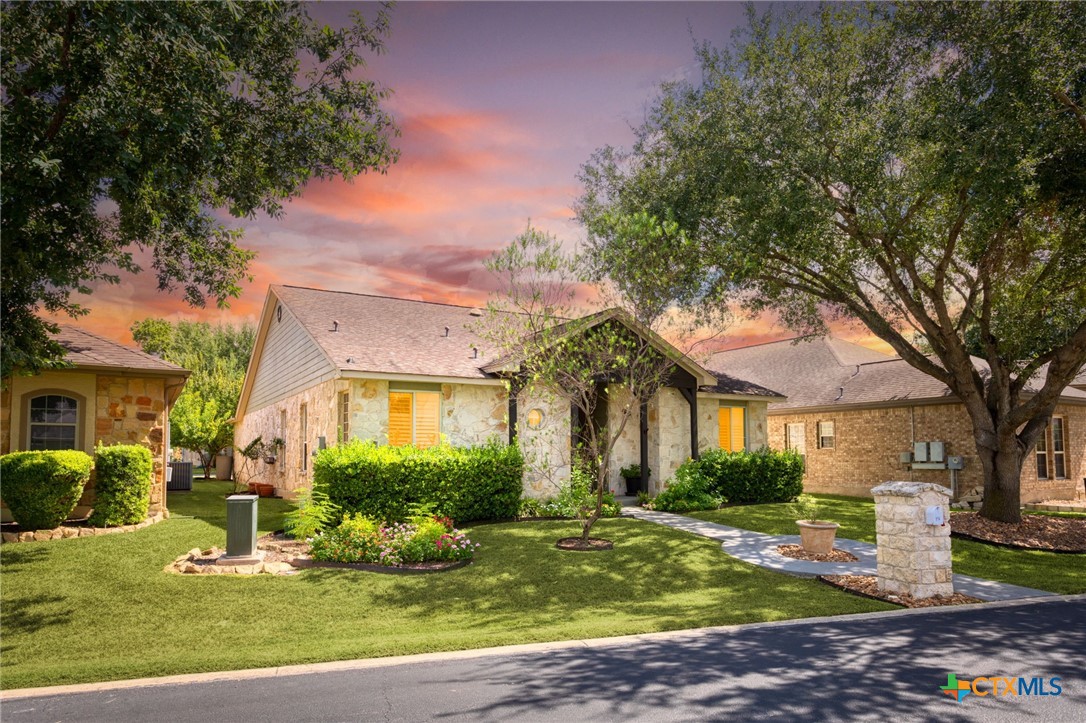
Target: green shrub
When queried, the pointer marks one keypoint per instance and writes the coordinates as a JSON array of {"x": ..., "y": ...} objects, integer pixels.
[
  {"x": 122, "y": 485},
  {"x": 42, "y": 488},
  {"x": 753, "y": 477},
  {"x": 573, "y": 500},
  {"x": 312, "y": 512},
  {"x": 463, "y": 483},
  {"x": 687, "y": 491}
]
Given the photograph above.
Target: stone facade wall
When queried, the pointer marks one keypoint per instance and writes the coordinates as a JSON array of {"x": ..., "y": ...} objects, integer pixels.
[
  {"x": 869, "y": 441},
  {"x": 627, "y": 449},
  {"x": 132, "y": 410},
  {"x": 119, "y": 409},
  {"x": 913, "y": 556},
  {"x": 546, "y": 450},
  {"x": 472, "y": 414}
]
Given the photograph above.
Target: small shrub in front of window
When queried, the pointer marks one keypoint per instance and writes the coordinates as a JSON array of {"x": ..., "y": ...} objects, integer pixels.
[
  {"x": 122, "y": 485},
  {"x": 759, "y": 477},
  {"x": 42, "y": 488}
]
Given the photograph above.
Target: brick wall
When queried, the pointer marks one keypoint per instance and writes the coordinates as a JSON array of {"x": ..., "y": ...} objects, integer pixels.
[{"x": 869, "y": 441}]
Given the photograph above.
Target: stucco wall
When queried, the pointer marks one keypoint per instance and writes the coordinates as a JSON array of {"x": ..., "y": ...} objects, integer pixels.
[{"x": 869, "y": 441}]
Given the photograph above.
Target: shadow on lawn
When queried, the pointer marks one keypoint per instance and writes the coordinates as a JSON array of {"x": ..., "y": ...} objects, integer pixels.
[
  {"x": 833, "y": 670},
  {"x": 520, "y": 581},
  {"x": 27, "y": 615},
  {"x": 14, "y": 556}
]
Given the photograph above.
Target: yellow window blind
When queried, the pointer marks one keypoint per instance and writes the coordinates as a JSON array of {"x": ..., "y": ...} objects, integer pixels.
[
  {"x": 732, "y": 426},
  {"x": 399, "y": 418},
  {"x": 427, "y": 421}
]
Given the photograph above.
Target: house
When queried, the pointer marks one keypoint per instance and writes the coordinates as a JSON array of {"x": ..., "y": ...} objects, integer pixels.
[
  {"x": 330, "y": 366},
  {"x": 856, "y": 414},
  {"x": 110, "y": 394}
]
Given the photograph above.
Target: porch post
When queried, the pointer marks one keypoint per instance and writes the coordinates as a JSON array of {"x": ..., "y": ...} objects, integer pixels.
[
  {"x": 691, "y": 395},
  {"x": 643, "y": 423},
  {"x": 515, "y": 386}
]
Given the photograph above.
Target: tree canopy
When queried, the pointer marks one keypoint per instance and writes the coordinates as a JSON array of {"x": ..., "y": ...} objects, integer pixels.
[
  {"x": 145, "y": 126},
  {"x": 919, "y": 167},
  {"x": 218, "y": 357}
]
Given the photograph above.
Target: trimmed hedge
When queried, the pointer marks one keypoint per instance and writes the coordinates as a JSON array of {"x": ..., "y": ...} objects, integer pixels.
[
  {"x": 42, "y": 488},
  {"x": 753, "y": 477},
  {"x": 689, "y": 490},
  {"x": 463, "y": 483},
  {"x": 122, "y": 485}
]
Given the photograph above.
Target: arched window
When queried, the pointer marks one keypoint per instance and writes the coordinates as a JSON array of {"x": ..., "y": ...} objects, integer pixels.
[{"x": 52, "y": 422}]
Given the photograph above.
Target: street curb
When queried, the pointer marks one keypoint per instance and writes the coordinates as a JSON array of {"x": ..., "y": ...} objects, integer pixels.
[{"x": 371, "y": 663}]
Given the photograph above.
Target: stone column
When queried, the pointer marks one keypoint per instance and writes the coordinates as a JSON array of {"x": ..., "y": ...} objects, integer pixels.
[{"x": 913, "y": 556}]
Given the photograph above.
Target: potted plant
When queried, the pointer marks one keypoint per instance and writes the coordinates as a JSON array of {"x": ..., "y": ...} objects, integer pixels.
[
  {"x": 815, "y": 535},
  {"x": 269, "y": 450},
  {"x": 632, "y": 475}
]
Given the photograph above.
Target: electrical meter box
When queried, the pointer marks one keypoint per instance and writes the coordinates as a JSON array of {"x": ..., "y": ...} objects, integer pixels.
[
  {"x": 934, "y": 515},
  {"x": 955, "y": 461},
  {"x": 936, "y": 451},
  {"x": 920, "y": 451}
]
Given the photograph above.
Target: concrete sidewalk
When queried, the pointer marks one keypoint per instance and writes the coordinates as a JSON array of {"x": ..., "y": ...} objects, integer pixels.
[{"x": 761, "y": 549}]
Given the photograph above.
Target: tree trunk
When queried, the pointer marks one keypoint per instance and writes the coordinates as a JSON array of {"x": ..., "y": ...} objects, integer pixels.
[
  {"x": 1002, "y": 481},
  {"x": 206, "y": 461}
]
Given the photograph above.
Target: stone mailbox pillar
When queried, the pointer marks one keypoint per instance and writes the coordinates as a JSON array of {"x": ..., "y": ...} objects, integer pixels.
[{"x": 912, "y": 526}]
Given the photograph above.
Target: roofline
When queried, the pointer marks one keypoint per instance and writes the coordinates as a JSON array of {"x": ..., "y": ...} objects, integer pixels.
[
  {"x": 124, "y": 371},
  {"x": 429, "y": 378},
  {"x": 258, "y": 347},
  {"x": 744, "y": 397},
  {"x": 704, "y": 376},
  {"x": 896, "y": 403},
  {"x": 374, "y": 296}
]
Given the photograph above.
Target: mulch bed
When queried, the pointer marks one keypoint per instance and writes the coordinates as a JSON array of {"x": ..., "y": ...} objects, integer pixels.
[
  {"x": 592, "y": 544},
  {"x": 868, "y": 586},
  {"x": 407, "y": 568},
  {"x": 1034, "y": 532},
  {"x": 797, "y": 552}
]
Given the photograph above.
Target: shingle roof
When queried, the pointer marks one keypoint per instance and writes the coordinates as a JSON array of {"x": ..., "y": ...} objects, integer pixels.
[
  {"x": 87, "y": 350},
  {"x": 727, "y": 384},
  {"x": 389, "y": 336},
  {"x": 824, "y": 371},
  {"x": 384, "y": 335}
]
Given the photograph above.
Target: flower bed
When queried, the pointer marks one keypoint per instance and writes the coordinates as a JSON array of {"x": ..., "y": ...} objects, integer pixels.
[{"x": 420, "y": 541}]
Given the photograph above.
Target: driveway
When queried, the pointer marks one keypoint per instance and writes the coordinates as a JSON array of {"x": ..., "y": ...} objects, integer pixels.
[{"x": 881, "y": 666}]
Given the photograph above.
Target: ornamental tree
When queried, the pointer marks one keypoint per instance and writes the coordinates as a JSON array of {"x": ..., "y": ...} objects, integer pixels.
[
  {"x": 142, "y": 126},
  {"x": 545, "y": 345},
  {"x": 920, "y": 168}
]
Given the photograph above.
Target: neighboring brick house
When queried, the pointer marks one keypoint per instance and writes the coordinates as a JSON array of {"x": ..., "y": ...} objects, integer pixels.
[
  {"x": 853, "y": 411},
  {"x": 111, "y": 394},
  {"x": 331, "y": 365}
]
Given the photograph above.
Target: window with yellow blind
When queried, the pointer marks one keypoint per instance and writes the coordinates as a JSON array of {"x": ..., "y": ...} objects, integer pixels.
[
  {"x": 414, "y": 418},
  {"x": 733, "y": 428}
]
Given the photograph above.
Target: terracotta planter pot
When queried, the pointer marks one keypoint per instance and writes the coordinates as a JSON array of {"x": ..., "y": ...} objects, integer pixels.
[
  {"x": 254, "y": 488},
  {"x": 817, "y": 537},
  {"x": 265, "y": 490}
]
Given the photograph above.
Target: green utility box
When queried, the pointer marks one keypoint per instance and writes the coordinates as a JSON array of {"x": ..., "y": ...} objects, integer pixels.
[{"x": 241, "y": 525}]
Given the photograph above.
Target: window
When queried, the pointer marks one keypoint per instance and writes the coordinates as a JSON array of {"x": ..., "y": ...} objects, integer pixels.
[
  {"x": 53, "y": 420},
  {"x": 795, "y": 438},
  {"x": 413, "y": 418},
  {"x": 733, "y": 428},
  {"x": 826, "y": 435},
  {"x": 1059, "y": 448},
  {"x": 1042, "y": 456},
  {"x": 344, "y": 416},
  {"x": 303, "y": 415}
]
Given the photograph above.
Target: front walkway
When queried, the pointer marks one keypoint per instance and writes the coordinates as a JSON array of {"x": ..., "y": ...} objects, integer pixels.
[{"x": 761, "y": 549}]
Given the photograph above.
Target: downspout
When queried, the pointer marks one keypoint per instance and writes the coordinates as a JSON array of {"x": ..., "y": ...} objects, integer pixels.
[{"x": 912, "y": 436}]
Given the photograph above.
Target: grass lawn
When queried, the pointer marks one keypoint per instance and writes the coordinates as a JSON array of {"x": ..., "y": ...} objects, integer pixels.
[
  {"x": 102, "y": 608},
  {"x": 1060, "y": 573}
]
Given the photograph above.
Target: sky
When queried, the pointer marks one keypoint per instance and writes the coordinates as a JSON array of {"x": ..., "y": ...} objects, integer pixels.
[{"x": 498, "y": 104}]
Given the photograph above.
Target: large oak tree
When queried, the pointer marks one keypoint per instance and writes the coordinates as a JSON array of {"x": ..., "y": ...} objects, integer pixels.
[
  {"x": 143, "y": 125},
  {"x": 919, "y": 167}
]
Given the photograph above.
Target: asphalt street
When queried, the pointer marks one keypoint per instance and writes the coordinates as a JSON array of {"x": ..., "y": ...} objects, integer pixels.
[{"x": 887, "y": 668}]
